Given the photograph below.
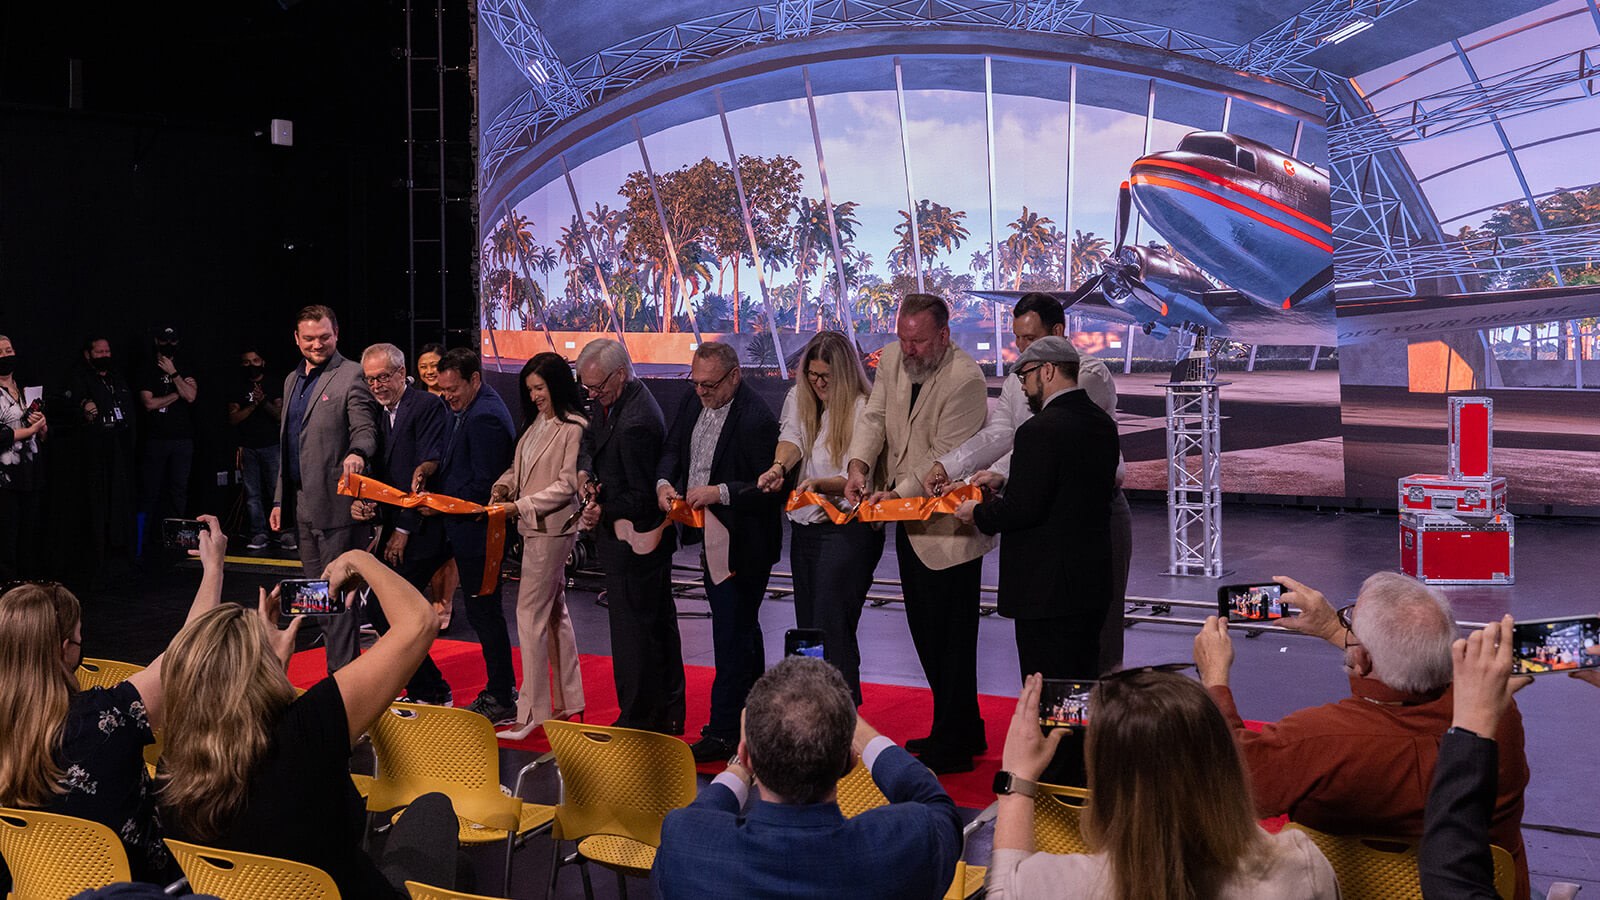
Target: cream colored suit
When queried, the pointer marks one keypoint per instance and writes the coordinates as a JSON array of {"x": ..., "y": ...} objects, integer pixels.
[
  {"x": 543, "y": 482},
  {"x": 951, "y": 407}
]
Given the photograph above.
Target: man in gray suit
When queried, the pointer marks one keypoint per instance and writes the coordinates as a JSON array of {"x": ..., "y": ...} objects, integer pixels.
[{"x": 329, "y": 429}]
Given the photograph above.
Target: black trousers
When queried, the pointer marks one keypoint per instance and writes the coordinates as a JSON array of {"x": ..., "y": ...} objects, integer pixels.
[
  {"x": 1060, "y": 647},
  {"x": 738, "y": 649},
  {"x": 833, "y": 567},
  {"x": 21, "y": 521},
  {"x": 428, "y": 682},
  {"x": 942, "y": 612},
  {"x": 646, "y": 652},
  {"x": 1111, "y": 632}
]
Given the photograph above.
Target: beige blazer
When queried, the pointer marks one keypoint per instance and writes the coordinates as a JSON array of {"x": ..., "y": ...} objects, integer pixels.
[
  {"x": 543, "y": 479},
  {"x": 950, "y": 408}
]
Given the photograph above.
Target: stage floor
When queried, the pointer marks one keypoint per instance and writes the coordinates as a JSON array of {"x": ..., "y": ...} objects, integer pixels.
[{"x": 1274, "y": 673}]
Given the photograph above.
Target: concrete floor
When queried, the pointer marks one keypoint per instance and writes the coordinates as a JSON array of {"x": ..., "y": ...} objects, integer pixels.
[{"x": 1274, "y": 673}]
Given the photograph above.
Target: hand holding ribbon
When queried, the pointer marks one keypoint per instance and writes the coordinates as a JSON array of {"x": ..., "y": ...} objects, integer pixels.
[
  {"x": 362, "y": 487},
  {"x": 907, "y": 509}
]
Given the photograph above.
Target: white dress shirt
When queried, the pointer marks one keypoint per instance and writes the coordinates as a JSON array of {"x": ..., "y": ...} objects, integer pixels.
[{"x": 815, "y": 463}]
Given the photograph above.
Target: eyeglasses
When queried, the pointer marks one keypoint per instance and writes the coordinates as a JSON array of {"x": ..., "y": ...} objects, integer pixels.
[
  {"x": 596, "y": 389},
  {"x": 818, "y": 377},
  {"x": 1024, "y": 372},
  {"x": 713, "y": 385},
  {"x": 385, "y": 378},
  {"x": 1346, "y": 615}
]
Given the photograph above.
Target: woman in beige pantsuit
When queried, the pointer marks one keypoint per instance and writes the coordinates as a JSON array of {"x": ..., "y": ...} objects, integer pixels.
[{"x": 540, "y": 493}]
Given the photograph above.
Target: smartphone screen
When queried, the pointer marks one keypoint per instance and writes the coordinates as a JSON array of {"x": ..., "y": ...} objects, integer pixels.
[
  {"x": 1064, "y": 704},
  {"x": 1252, "y": 602},
  {"x": 1541, "y": 646},
  {"x": 804, "y": 642},
  {"x": 308, "y": 597},
  {"x": 181, "y": 534}
]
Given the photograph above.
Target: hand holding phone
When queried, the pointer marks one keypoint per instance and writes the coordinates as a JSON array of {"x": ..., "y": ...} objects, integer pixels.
[
  {"x": 1252, "y": 602},
  {"x": 1064, "y": 704},
  {"x": 181, "y": 534},
  {"x": 805, "y": 642},
  {"x": 1542, "y": 646}
]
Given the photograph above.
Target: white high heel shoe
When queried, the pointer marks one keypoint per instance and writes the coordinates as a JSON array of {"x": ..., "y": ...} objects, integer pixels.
[{"x": 518, "y": 732}]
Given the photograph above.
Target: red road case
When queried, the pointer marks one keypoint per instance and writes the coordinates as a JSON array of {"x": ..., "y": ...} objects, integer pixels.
[
  {"x": 1444, "y": 549},
  {"x": 1471, "y": 437},
  {"x": 1462, "y": 496}
]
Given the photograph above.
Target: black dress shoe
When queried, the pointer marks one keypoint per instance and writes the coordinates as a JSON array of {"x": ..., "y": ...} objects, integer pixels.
[
  {"x": 712, "y": 749},
  {"x": 946, "y": 762},
  {"x": 975, "y": 747},
  {"x": 917, "y": 745}
]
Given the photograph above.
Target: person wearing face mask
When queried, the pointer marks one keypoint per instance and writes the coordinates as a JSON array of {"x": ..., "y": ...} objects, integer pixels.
[
  {"x": 22, "y": 428},
  {"x": 254, "y": 413},
  {"x": 167, "y": 394},
  {"x": 94, "y": 418}
]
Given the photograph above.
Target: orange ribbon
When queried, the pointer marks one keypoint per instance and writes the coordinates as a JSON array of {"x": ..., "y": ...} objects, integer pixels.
[
  {"x": 686, "y": 514},
  {"x": 906, "y": 509},
  {"x": 361, "y": 487}
]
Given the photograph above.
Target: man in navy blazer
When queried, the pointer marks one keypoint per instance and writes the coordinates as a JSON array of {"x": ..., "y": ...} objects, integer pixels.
[
  {"x": 722, "y": 440},
  {"x": 478, "y": 444},
  {"x": 801, "y": 734},
  {"x": 412, "y": 424}
]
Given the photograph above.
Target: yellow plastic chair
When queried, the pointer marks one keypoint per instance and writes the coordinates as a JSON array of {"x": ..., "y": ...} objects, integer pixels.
[
  {"x": 58, "y": 856},
  {"x": 108, "y": 673},
  {"x": 232, "y": 875},
  {"x": 857, "y": 793},
  {"x": 1057, "y": 819},
  {"x": 1384, "y": 868},
  {"x": 104, "y": 673},
  {"x": 419, "y": 891},
  {"x": 617, "y": 785},
  {"x": 421, "y": 749}
]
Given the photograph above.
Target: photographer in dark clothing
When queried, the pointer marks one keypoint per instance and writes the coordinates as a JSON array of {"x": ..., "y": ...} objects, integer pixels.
[
  {"x": 167, "y": 395},
  {"x": 255, "y": 408},
  {"x": 93, "y": 416}
]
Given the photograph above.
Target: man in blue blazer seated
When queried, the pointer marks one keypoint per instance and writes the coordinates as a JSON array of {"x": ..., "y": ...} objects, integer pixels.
[{"x": 800, "y": 735}]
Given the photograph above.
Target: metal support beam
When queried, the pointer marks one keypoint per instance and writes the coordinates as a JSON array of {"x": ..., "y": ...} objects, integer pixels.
[
  {"x": 842, "y": 297},
  {"x": 666, "y": 238},
  {"x": 516, "y": 31},
  {"x": 750, "y": 233},
  {"x": 793, "y": 19},
  {"x": 911, "y": 192}
]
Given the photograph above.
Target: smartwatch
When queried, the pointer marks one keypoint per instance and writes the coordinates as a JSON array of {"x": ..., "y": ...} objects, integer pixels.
[{"x": 1007, "y": 783}]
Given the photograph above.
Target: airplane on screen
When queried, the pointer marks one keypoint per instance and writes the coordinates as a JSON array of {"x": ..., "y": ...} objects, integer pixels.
[{"x": 1258, "y": 221}]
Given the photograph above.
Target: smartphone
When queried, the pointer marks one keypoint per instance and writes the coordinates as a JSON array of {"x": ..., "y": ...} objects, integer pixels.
[
  {"x": 182, "y": 534},
  {"x": 1542, "y": 646},
  {"x": 805, "y": 642},
  {"x": 1064, "y": 704},
  {"x": 308, "y": 597},
  {"x": 1252, "y": 602}
]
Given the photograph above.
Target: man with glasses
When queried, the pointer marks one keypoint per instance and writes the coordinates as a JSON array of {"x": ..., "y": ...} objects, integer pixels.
[
  {"x": 721, "y": 441},
  {"x": 985, "y": 458},
  {"x": 412, "y": 423},
  {"x": 1362, "y": 765},
  {"x": 1055, "y": 557},
  {"x": 329, "y": 429},
  {"x": 928, "y": 398},
  {"x": 616, "y": 474}
]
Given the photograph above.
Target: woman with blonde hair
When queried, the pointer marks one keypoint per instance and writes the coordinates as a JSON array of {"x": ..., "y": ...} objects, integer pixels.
[
  {"x": 81, "y": 752},
  {"x": 832, "y": 564},
  {"x": 540, "y": 493},
  {"x": 249, "y": 766},
  {"x": 1169, "y": 814}
]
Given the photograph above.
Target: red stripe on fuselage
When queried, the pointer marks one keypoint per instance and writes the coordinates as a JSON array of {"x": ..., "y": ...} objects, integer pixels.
[
  {"x": 1203, "y": 193},
  {"x": 1235, "y": 186}
]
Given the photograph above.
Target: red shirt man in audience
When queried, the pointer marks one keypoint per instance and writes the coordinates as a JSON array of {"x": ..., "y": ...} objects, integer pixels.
[{"x": 1362, "y": 765}]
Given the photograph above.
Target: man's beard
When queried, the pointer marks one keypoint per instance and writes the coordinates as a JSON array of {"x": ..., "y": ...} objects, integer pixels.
[
  {"x": 922, "y": 368},
  {"x": 1035, "y": 402}
]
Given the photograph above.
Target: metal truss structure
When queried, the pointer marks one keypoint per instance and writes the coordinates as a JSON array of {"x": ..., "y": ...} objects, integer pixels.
[
  {"x": 1194, "y": 495},
  {"x": 1385, "y": 232}
]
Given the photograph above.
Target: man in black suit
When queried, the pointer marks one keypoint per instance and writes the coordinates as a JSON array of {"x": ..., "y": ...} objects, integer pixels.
[
  {"x": 616, "y": 473},
  {"x": 411, "y": 423},
  {"x": 478, "y": 443},
  {"x": 721, "y": 441},
  {"x": 1055, "y": 556}
]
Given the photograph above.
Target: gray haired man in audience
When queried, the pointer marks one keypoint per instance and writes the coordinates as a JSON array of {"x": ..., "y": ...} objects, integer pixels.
[{"x": 1362, "y": 765}]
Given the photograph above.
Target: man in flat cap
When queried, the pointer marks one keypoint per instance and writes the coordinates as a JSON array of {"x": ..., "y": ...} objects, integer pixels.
[{"x": 1055, "y": 558}]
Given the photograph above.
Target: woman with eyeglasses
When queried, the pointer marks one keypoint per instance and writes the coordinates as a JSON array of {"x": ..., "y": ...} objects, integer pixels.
[
  {"x": 833, "y": 564},
  {"x": 540, "y": 493},
  {"x": 81, "y": 752},
  {"x": 22, "y": 428},
  {"x": 1169, "y": 812}
]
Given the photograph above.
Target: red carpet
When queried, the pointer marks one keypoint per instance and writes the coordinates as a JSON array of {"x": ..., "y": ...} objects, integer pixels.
[{"x": 902, "y": 713}]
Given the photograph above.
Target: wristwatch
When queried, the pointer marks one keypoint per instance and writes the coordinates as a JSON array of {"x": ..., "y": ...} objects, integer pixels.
[{"x": 1007, "y": 783}]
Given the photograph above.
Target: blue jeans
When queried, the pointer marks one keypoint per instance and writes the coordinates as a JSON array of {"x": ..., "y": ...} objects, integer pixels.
[{"x": 260, "y": 470}]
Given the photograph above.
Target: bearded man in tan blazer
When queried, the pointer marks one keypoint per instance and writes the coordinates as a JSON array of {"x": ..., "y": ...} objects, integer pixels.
[{"x": 928, "y": 398}]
